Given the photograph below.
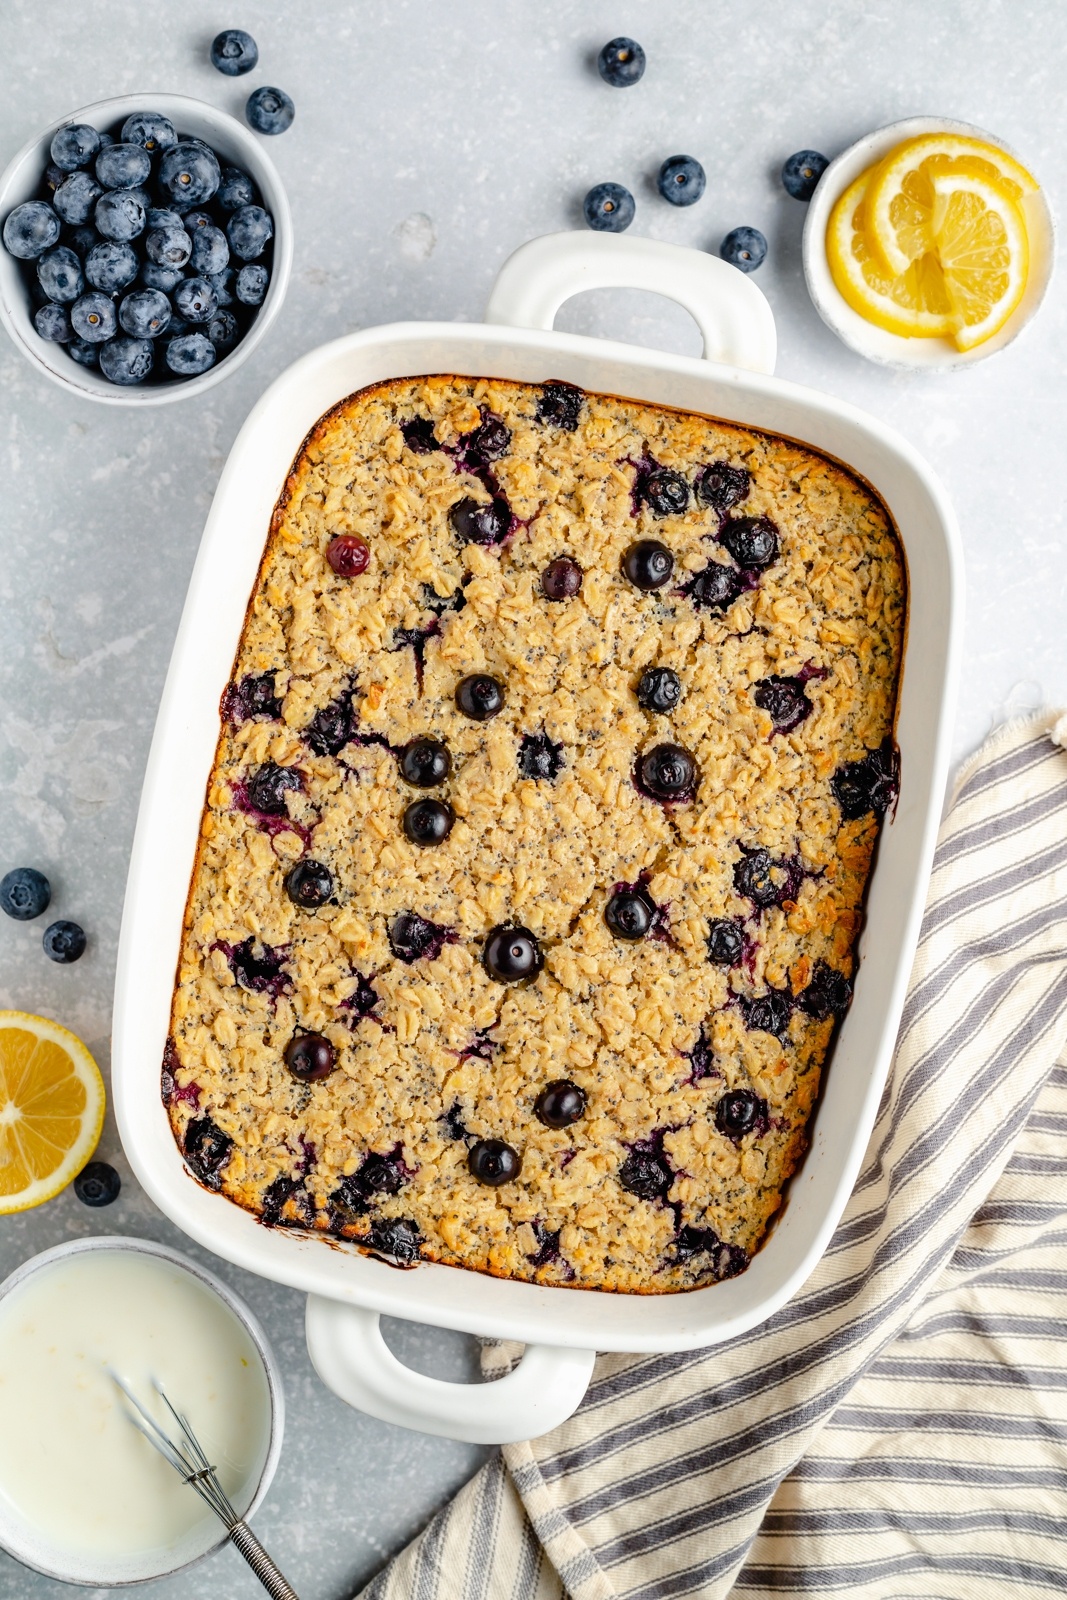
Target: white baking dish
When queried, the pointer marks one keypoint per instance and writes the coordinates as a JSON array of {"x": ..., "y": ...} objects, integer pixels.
[{"x": 347, "y": 1290}]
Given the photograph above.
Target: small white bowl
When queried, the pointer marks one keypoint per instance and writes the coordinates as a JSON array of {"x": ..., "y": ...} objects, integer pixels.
[
  {"x": 233, "y": 143},
  {"x": 891, "y": 349}
]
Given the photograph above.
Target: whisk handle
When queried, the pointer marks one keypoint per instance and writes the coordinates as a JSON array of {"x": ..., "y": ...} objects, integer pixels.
[{"x": 275, "y": 1583}]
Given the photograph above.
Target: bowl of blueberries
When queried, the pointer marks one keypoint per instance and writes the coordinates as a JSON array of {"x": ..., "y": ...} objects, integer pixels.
[{"x": 147, "y": 246}]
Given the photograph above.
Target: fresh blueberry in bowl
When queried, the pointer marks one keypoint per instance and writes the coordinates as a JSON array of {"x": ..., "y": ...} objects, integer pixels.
[
  {"x": 123, "y": 166},
  {"x": 744, "y": 248},
  {"x": 167, "y": 279},
  {"x": 621, "y": 63},
  {"x": 97, "y": 1184},
  {"x": 93, "y": 317},
  {"x": 60, "y": 274},
  {"x": 270, "y": 110},
  {"x": 64, "y": 942},
  {"x": 82, "y": 238},
  {"x": 24, "y": 893},
  {"x": 150, "y": 129},
  {"x": 31, "y": 229},
  {"x": 801, "y": 173},
  {"x": 168, "y": 245},
  {"x": 234, "y": 52},
  {"x": 681, "y": 180},
  {"x": 110, "y": 266},
  {"x": 74, "y": 146},
  {"x": 210, "y": 252},
  {"x": 224, "y": 284},
  {"x": 251, "y": 285},
  {"x": 120, "y": 215},
  {"x": 126, "y": 360},
  {"x": 235, "y": 189},
  {"x": 144, "y": 314},
  {"x": 189, "y": 173},
  {"x": 223, "y": 330},
  {"x": 190, "y": 354},
  {"x": 609, "y": 208},
  {"x": 75, "y": 199},
  {"x": 194, "y": 299},
  {"x": 53, "y": 323},
  {"x": 84, "y": 353},
  {"x": 249, "y": 232}
]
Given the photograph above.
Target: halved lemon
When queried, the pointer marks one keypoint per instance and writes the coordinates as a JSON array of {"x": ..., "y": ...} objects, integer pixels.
[
  {"x": 51, "y": 1109},
  {"x": 981, "y": 243},
  {"x": 914, "y": 304},
  {"x": 900, "y": 199}
]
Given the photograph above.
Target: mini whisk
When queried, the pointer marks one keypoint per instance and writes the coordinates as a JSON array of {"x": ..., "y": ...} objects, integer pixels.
[{"x": 185, "y": 1454}]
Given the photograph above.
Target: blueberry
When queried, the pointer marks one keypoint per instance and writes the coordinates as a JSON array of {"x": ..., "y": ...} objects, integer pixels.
[
  {"x": 207, "y": 1149},
  {"x": 720, "y": 486},
  {"x": 380, "y": 1174},
  {"x": 630, "y": 913},
  {"x": 664, "y": 491},
  {"x": 738, "y": 1112},
  {"x": 310, "y": 1057},
  {"x": 667, "y": 772},
  {"x": 75, "y": 199},
  {"x": 828, "y": 994},
  {"x": 74, "y": 146},
  {"x": 621, "y": 63},
  {"x": 223, "y": 331},
  {"x": 801, "y": 173},
  {"x": 145, "y": 313},
  {"x": 646, "y": 1175},
  {"x": 490, "y": 440},
  {"x": 348, "y": 555},
  {"x": 84, "y": 353},
  {"x": 165, "y": 279},
  {"x": 53, "y": 177},
  {"x": 97, "y": 1184},
  {"x": 119, "y": 214},
  {"x": 190, "y": 354},
  {"x": 251, "y": 286},
  {"x": 425, "y": 762},
  {"x": 648, "y": 564},
  {"x": 234, "y": 52},
  {"x": 125, "y": 360},
  {"x": 59, "y": 272},
  {"x": 30, "y": 229},
  {"x": 659, "y": 689},
  {"x": 395, "y": 1237},
  {"x": 110, "y": 266},
  {"x": 560, "y": 406},
  {"x": 268, "y": 786},
  {"x": 259, "y": 974},
  {"x": 540, "y": 757},
  {"x": 309, "y": 884},
  {"x": 189, "y": 173},
  {"x": 869, "y": 785},
  {"x": 418, "y": 431},
  {"x": 474, "y": 522},
  {"x": 195, "y": 299},
  {"x": 269, "y": 110},
  {"x": 210, "y": 251},
  {"x": 224, "y": 284},
  {"x": 249, "y": 231},
  {"x": 784, "y": 700},
  {"x": 681, "y": 180},
  {"x": 24, "y": 893},
  {"x": 414, "y": 938},
  {"x": 63, "y": 942},
  {"x": 744, "y": 248},
  {"x": 715, "y": 587},
  {"x": 759, "y": 877},
  {"x": 769, "y": 1013},
  {"x": 235, "y": 189},
  {"x": 194, "y": 221},
  {"x": 609, "y": 208},
  {"x": 53, "y": 323},
  {"x": 331, "y": 728},
  {"x": 428, "y": 821},
  {"x": 561, "y": 579},
  {"x": 752, "y": 541},
  {"x": 163, "y": 217},
  {"x": 726, "y": 942},
  {"x": 93, "y": 318},
  {"x": 254, "y": 696},
  {"x": 82, "y": 239},
  {"x": 480, "y": 696},
  {"x": 493, "y": 1162},
  {"x": 123, "y": 166},
  {"x": 168, "y": 246},
  {"x": 150, "y": 130},
  {"x": 512, "y": 953},
  {"x": 560, "y": 1103}
]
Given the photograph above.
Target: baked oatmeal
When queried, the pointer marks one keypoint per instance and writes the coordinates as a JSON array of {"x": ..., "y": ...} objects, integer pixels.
[{"x": 534, "y": 854}]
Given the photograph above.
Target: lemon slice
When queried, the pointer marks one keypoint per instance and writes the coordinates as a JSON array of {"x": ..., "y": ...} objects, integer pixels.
[
  {"x": 51, "y": 1109},
  {"x": 981, "y": 243},
  {"x": 914, "y": 304},
  {"x": 900, "y": 200}
]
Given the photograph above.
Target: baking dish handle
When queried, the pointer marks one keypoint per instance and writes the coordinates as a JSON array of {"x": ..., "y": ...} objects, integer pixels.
[
  {"x": 734, "y": 319},
  {"x": 350, "y": 1356}
]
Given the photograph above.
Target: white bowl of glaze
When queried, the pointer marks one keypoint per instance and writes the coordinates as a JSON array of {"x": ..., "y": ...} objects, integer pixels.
[
  {"x": 234, "y": 145},
  {"x": 34, "y": 1548},
  {"x": 892, "y": 349}
]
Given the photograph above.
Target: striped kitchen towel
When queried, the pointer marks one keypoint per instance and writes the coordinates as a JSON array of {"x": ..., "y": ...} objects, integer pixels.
[{"x": 900, "y": 1428}]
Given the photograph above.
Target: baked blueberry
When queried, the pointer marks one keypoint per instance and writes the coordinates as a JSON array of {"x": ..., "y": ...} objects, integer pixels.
[
  {"x": 75, "y": 199},
  {"x": 828, "y": 994},
  {"x": 255, "y": 696},
  {"x": 609, "y": 208},
  {"x": 559, "y": 405},
  {"x": 93, "y": 318},
  {"x": 190, "y": 353},
  {"x": 480, "y": 696},
  {"x": 512, "y": 953},
  {"x": 414, "y": 938},
  {"x": 475, "y": 522},
  {"x": 189, "y": 173},
  {"x": 744, "y": 248},
  {"x": 702, "y": 1058},
  {"x": 801, "y": 173},
  {"x": 150, "y": 129},
  {"x": 659, "y": 689},
  {"x": 784, "y": 701},
  {"x": 540, "y": 757},
  {"x": 53, "y": 323},
  {"x": 425, "y": 762},
  {"x": 715, "y": 587},
  {"x": 125, "y": 360},
  {"x": 97, "y": 1184},
  {"x": 621, "y": 63},
  {"x": 395, "y": 1237},
  {"x": 759, "y": 877},
  {"x": 145, "y": 313},
  {"x": 725, "y": 942},
  {"x": 235, "y": 189},
  {"x": 207, "y": 1149},
  {"x": 268, "y": 786},
  {"x": 428, "y": 821},
  {"x": 120, "y": 214},
  {"x": 720, "y": 486},
  {"x": 664, "y": 491},
  {"x": 646, "y": 1175},
  {"x": 234, "y": 52},
  {"x": 869, "y": 785},
  {"x": 681, "y": 180},
  {"x": 331, "y": 728},
  {"x": 123, "y": 166},
  {"x": 419, "y": 435},
  {"x": 648, "y": 564},
  {"x": 24, "y": 893},
  {"x": 251, "y": 284},
  {"x": 310, "y": 1057},
  {"x": 768, "y": 1013},
  {"x": 493, "y": 1162},
  {"x": 667, "y": 772},
  {"x": 110, "y": 266},
  {"x": 630, "y": 913},
  {"x": 490, "y": 440},
  {"x": 561, "y": 579},
  {"x": 249, "y": 232},
  {"x": 379, "y": 1174},
  {"x": 269, "y": 110},
  {"x": 259, "y": 974},
  {"x": 210, "y": 253},
  {"x": 348, "y": 555},
  {"x": 74, "y": 146},
  {"x": 725, "y": 1260},
  {"x": 738, "y": 1112},
  {"x": 195, "y": 299},
  {"x": 309, "y": 884},
  {"x": 560, "y": 1103},
  {"x": 752, "y": 541},
  {"x": 64, "y": 942}
]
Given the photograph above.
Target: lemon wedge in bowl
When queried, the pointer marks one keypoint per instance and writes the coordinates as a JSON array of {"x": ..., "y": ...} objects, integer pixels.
[
  {"x": 914, "y": 303},
  {"x": 51, "y": 1109},
  {"x": 981, "y": 243}
]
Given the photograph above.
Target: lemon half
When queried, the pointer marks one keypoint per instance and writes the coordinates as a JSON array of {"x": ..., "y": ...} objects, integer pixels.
[{"x": 51, "y": 1109}]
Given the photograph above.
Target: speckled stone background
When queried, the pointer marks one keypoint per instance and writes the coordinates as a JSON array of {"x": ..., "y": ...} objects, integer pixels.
[{"x": 430, "y": 140}]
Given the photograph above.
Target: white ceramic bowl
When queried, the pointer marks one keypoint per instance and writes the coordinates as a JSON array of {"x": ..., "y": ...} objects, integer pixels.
[
  {"x": 22, "y": 181},
  {"x": 891, "y": 349},
  {"x": 35, "y": 1550}
]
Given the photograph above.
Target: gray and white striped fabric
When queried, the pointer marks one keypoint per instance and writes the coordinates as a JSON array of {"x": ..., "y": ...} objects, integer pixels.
[{"x": 900, "y": 1428}]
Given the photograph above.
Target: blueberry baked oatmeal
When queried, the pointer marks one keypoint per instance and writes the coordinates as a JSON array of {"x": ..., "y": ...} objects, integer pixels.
[{"x": 533, "y": 858}]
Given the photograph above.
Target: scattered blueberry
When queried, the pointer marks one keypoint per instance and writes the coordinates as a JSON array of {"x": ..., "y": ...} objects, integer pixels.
[
  {"x": 512, "y": 953},
  {"x": 309, "y": 884},
  {"x": 251, "y": 285},
  {"x": 150, "y": 130},
  {"x": 744, "y": 248},
  {"x": 310, "y": 1057},
  {"x": 540, "y": 757},
  {"x": 234, "y": 52},
  {"x": 190, "y": 354},
  {"x": 630, "y": 913},
  {"x": 195, "y": 299},
  {"x": 123, "y": 166},
  {"x": 126, "y": 360},
  {"x": 348, "y": 555},
  {"x": 664, "y": 491},
  {"x": 784, "y": 701},
  {"x": 726, "y": 942},
  {"x": 659, "y": 689},
  {"x": 189, "y": 173},
  {"x": 681, "y": 180},
  {"x": 412, "y": 938},
  {"x": 59, "y": 272},
  {"x": 93, "y": 318},
  {"x": 561, "y": 579},
  {"x": 74, "y": 146},
  {"x": 667, "y": 773},
  {"x": 560, "y": 406},
  {"x": 63, "y": 942},
  {"x": 480, "y": 696},
  {"x": 726, "y": 1260},
  {"x": 53, "y": 323},
  {"x": 621, "y": 63},
  {"x": 110, "y": 266},
  {"x": 425, "y": 762},
  {"x": 97, "y": 1184},
  {"x": 210, "y": 251},
  {"x": 648, "y": 564},
  {"x": 268, "y": 786},
  {"x": 646, "y": 1175},
  {"x": 752, "y": 541},
  {"x": 869, "y": 785},
  {"x": 609, "y": 208},
  {"x": 249, "y": 230},
  {"x": 207, "y": 1149},
  {"x": 222, "y": 330},
  {"x": 145, "y": 313},
  {"x": 475, "y": 522},
  {"x": 119, "y": 215},
  {"x": 720, "y": 486},
  {"x": 84, "y": 353},
  {"x": 235, "y": 189},
  {"x": 801, "y": 173},
  {"x": 829, "y": 993},
  {"x": 269, "y": 110},
  {"x": 30, "y": 229},
  {"x": 428, "y": 821},
  {"x": 768, "y": 1013},
  {"x": 493, "y": 1162},
  {"x": 75, "y": 199},
  {"x": 24, "y": 893}
]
